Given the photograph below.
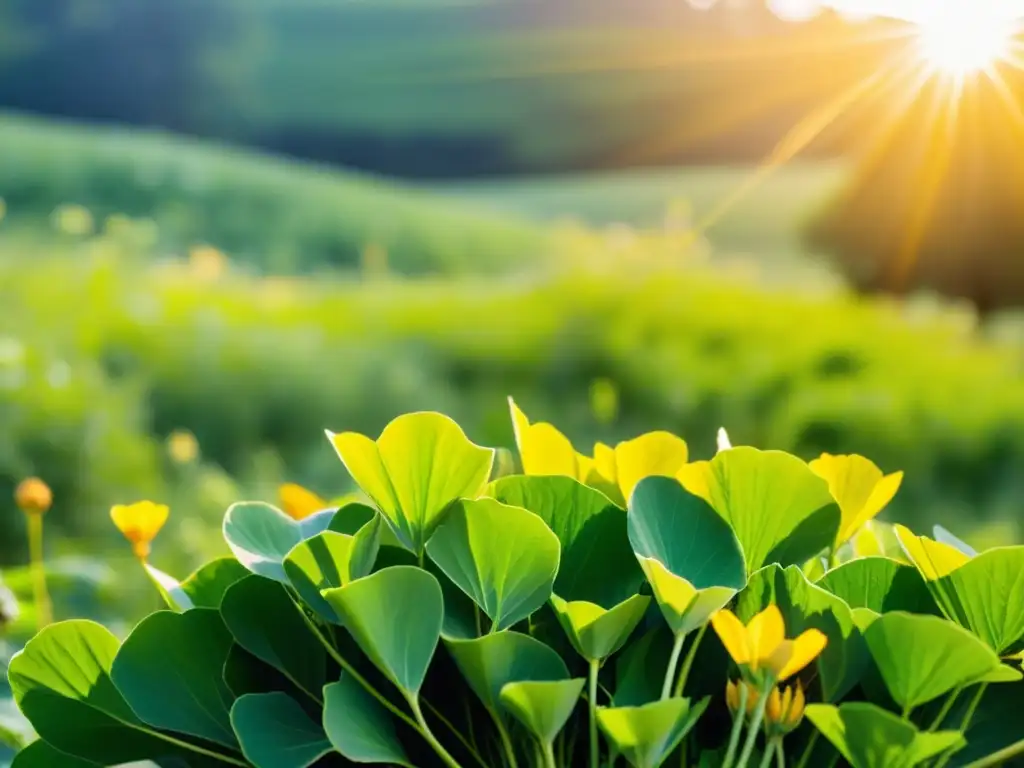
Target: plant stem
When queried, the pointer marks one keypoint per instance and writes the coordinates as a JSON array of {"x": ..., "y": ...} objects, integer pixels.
[
  {"x": 950, "y": 700},
  {"x": 470, "y": 747},
  {"x": 809, "y": 749},
  {"x": 41, "y": 597},
  {"x": 999, "y": 758},
  {"x": 755, "y": 726},
  {"x": 673, "y": 663},
  {"x": 414, "y": 705},
  {"x": 684, "y": 674},
  {"x": 965, "y": 723},
  {"x": 769, "y": 752},
  {"x": 549, "y": 755},
  {"x": 595, "y": 665},
  {"x": 737, "y": 728},
  {"x": 506, "y": 741},
  {"x": 780, "y": 756}
]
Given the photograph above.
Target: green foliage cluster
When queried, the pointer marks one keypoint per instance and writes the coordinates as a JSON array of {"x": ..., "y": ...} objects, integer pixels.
[
  {"x": 276, "y": 215},
  {"x": 103, "y": 355},
  {"x": 470, "y": 617}
]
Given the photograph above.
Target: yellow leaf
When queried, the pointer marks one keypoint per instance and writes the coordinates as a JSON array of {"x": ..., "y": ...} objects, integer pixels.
[
  {"x": 932, "y": 558},
  {"x": 652, "y": 454},
  {"x": 298, "y": 502},
  {"x": 543, "y": 450},
  {"x": 859, "y": 488},
  {"x": 696, "y": 478}
]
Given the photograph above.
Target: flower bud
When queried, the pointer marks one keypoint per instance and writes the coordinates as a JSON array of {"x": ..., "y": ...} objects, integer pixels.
[{"x": 33, "y": 496}]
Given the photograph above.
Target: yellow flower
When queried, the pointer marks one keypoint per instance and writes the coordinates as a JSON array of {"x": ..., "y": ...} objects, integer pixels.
[
  {"x": 859, "y": 488},
  {"x": 761, "y": 646},
  {"x": 182, "y": 446},
  {"x": 933, "y": 559},
  {"x": 732, "y": 696},
  {"x": 299, "y": 503},
  {"x": 140, "y": 523},
  {"x": 33, "y": 496},
  {"x": 784, "y": 710}
]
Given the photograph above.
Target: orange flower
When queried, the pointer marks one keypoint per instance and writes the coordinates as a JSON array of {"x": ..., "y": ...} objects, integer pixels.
[
  {"x": 761, "y": 646},
  {"x": 140, "y": 523},
  {"x": 33, "y": 496}
]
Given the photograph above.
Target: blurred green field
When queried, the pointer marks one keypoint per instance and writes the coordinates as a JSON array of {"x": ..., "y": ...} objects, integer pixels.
[
  {"x": 103, "y": 354},
  {"x": 278, "y": 216},
  {"x": 757, "y": 214}
]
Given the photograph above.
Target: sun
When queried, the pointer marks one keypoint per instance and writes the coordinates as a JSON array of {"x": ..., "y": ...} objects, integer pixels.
[{"x": 963, "y": 38}]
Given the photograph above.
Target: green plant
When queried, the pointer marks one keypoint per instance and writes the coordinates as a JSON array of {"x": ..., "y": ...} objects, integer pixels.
[{"x": 465, "y": 619}]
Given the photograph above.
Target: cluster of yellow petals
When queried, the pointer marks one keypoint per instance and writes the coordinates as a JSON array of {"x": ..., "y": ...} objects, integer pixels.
[
  {"x": 761, "y": 646},
  {"x": 544, "y": 450},
  {"x": 783, "y": 711},
  {"x": 140, "y": 523},
  {"x": 33, "y": 496}
]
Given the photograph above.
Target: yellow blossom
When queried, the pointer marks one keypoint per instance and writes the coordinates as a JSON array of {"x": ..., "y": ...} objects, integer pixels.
[
  {"x": 761, "y": 646},
  {"x": 298, "y": 502},
  {"x": 859, "y": 488},
  {"x": 140, "y": 523},
  {"x": 784, "y": 710},
  {"x": 182, "y": 447},
  {"x": 33, "y": 496}
]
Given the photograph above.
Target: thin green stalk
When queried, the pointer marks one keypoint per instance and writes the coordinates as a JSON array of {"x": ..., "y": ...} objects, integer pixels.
[
  {"x": 737, "y": 728},
  {"x": 1001, "y": 757},
  {"x": 447, "y": 759},
  {"x": 673, "y": 663},
  {"x": 684, "y": 674},
  {"x": 184, "y": 744},
  {"x": 769, "y": 752},
  {"x": 595, "y": 666},
  {"x": 806, "y": 756},
  {"x": 780, "y": 756},
  {"x": 948, "y": 705},
  {"x": 41, "y": 596},
  {"x": 479, "y": 625},
  {"x": 965, "y": 723},
  {"x": 471, "y": 748},
  {"x": 549, "y": 755},
  {"x": 506, "y": 741},
  {"x": 755, "y": 726}
]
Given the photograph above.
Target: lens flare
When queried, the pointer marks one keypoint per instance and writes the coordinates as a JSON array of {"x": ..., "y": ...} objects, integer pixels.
[{"x": 961, "y": 39}]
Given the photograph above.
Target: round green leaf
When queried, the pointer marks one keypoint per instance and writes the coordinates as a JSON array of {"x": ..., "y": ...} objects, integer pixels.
[
  {"x": 806, "y": 606},
  {"x": 351, "y": 517},
  {"x": 986, "y": 595},
  {"x": 669, "y": 524},
  {"x": 61, "y": 683},
  {"x": 359, "y": 727},
  {"x": 869, "y": 737},
  {"x": 262, "y": 618},
  {"x": 39, "y": 754},
  {"x": 781, "y": 511},
  {"x": 595, "y": 632},
  {"x": 647, "y": 735},
  {"x": 420, "y": 464},
  {"x": 395, "y": 616},
  {"x": 543, "y": 706},
  {"x": 261, "y": 536},
  {"x": 597, "y": 563},
  {"x": 503, "y": 557},
  {"x": 881, "y": 585},
  {"x": 330, "y": 560},
  {"x": 489, "y": 663},
  {"x": 206, "y": 587},
  {"x": 170, "y": 671},
  {"x": 923, "y": 657},
  {"x": 275, "y": 732}
]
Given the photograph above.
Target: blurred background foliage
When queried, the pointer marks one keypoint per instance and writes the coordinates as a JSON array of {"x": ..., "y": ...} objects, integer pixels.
[{"x": 228, "y": 225}]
